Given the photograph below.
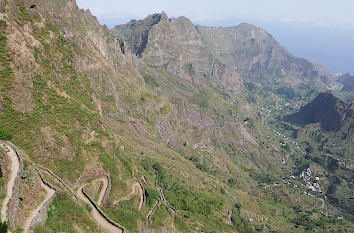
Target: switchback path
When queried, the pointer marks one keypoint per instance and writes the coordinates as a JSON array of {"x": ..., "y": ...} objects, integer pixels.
[
  {"x": 136, "y": 188},
  {"x": 105, "y": 184},
  {"x": 100, "y": 217}
]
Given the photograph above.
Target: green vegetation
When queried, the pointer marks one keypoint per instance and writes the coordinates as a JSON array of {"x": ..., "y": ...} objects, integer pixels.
[
  {"x": 149, "y": 80},
  {"x": 126, "y": 214},
  {"x": 189, "y": 69},
  {"x": 52, "y": 109},
  {"x": 242, "y": 225},
  {"x": 88, "y": 207},
  {"x": 157, "y": 220},
  {"x": 189, "y": 199},
  {"x": 22, "y": 16},
  {"x": 180, "y": 224},
  {"x": 312, "y": 222},
  {"x": 62, "y": 213},
  {"x": 152, "y": 195},
  {"x": 97, "y": 194},
  {"x": 4, "y": 134},
  {"x": 3, "y": 227},
  {"x": 110, "y": 162},
  {"x": 6, "y": 72},
  {"x": 204, "y": 164}
]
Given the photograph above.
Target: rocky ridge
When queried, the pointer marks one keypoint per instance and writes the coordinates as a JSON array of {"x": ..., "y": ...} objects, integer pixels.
[{"x": 156, "y": 102}]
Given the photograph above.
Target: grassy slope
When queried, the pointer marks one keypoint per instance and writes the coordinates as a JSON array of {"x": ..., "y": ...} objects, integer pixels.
[{"x": 54, "y": 133}]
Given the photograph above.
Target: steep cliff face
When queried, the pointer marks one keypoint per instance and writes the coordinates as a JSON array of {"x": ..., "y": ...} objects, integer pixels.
[
  {"x": 177, "y": 45},
  {"x": 135, "y": 33},
  {"x": 254, "y": 53}
]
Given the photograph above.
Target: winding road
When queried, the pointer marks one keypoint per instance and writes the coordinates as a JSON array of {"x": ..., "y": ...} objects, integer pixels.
[
  {"x": 14, "y": 168},
  {"x": 105, "y": 184},
  {"x": 102, "y": 220},
  {"x": 136, "y": 188},
  {"x": 15, "y": 165},
  {"x": 49, "y": 193}
]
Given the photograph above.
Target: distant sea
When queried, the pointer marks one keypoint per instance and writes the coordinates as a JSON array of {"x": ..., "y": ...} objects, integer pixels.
[{"x": 332, "y": 47}]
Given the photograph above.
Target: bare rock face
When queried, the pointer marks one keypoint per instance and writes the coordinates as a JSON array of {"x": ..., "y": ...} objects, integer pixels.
[
  {"x": 135, "y": 33},
  {"x": 177, "y": 45},
  {"x": 255, "y": 53}
]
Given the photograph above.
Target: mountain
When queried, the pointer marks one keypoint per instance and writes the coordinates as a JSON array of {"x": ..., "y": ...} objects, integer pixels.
[
  {"x": 246, "y": 49},
  {"x": 348, "y": 82},
  {"x": 150, "y": 128},
  {"x": 177, "y": 45},
  {"x": 326, "y": 128},
  {"x": 255, "y": 53},
  {"x": 329, "y": 111}
]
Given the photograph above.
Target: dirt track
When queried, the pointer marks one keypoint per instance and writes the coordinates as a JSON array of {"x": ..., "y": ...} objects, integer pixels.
[
  {"x": 101, "y": 221},
  {"x": 105, "y": 184},
  {"x": 49, "y": 194},
  {"x": 135, "y": 189},
  {"x": 14, "y": 168}
]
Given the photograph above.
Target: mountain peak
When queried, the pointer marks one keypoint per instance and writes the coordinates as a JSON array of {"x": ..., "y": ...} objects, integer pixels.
[
  {"x": 135, "y": 33},
  {"x": 332, "y": 113},
  {"x": 164, "y": 16}
]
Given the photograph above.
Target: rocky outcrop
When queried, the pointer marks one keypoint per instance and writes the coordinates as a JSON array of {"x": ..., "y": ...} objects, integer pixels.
[
  {"x": 135, "y": 33},
  {"x": 177, "y": 45}
]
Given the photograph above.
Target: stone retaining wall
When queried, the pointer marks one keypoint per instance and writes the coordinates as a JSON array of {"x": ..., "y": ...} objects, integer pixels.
[
  {"x": 42, "y": 215},
  {"x": 144, "y": 193},
  {"x": 58, "y": 179},
  {"x": 164, "y": 200},
  {"x": 154, "y": 209},
  {"x": 105, "y": 200},
  {"x": 101, "y": 212}
]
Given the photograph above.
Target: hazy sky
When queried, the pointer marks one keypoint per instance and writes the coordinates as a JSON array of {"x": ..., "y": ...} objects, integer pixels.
[
  {"x": 322, "y": 12},
  {"x": 320, "y": 30}
]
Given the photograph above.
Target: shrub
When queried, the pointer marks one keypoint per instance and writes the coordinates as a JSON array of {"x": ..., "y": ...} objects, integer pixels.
[
  {"x": 3, "y": 227},
  {"x": 88, "y": 207},
  {"x": 22, "y": 16},
  {"x": 152, "y": 195},
  {"x": 4, "y": 134},
  {"x": 25, "y": 174}
]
